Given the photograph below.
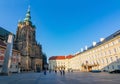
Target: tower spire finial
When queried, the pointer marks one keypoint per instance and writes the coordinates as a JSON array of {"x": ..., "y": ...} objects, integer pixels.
[
  {"x": 28, "y": 16},
  {"x": 28, "y": 7}
]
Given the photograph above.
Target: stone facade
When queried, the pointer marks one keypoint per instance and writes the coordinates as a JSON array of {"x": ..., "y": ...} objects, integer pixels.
[{"x": 26, "y": 43}]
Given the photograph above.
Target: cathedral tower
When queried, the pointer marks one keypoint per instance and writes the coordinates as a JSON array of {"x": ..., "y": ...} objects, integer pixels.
[{"x": 25, "y": 42}]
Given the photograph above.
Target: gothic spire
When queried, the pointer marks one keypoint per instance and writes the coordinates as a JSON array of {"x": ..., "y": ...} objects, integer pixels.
[{"x": 28, "y": 17}]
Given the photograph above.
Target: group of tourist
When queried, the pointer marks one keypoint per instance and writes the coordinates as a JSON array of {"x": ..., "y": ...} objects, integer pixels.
[{"x": 62, "y": 72}]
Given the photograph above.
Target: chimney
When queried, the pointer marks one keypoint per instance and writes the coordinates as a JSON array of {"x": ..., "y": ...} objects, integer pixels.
[
  {"x": 94, "y": 43},
  {"x": 101, "y": 39},
  {"x": 86, "y": 47},
  {"x": 81, "y": 49}
]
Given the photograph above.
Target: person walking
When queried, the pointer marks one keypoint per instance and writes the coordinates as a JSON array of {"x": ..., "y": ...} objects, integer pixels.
[
  {"x": 63, "y": 72},
  {"x": 49, "y": 71},
  {"x": 44, "y": 72},
  {"x": 56, "y": 71}
]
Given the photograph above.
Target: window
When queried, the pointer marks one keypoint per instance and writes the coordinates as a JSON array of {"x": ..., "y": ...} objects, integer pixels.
[
  {"x": 109, "y": 52},
  {"x": 111, "y": 59},
  {"x": 112, "y": 67},
  {"x": 119, "y": 40},
  {"x": 103, "y": 60},
  {"x": 99, "y": 61},
  {"x": 102, "y": 47},
  {"x": 106, "y": 46},
  {"x": 99, "y": 49},
  {"x": 119, "y": 48},
  {"x": 101, "y": 54},
  {"x": 10, "y": 66},
  {"x": 105, "y": 53},
  {"x": 118, "y": 66},
  {"x": 117, "y": 60},
  {"x": 106, "y": 60},
  {"x": 115, "y": 41},
  {"x": 115, "y": 50},
  {"x": 16, "y": 66},
  {"x": 112, "y": 43}
]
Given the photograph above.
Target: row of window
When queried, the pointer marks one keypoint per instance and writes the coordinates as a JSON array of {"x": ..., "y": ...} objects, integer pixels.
[
  {"x": 60, "y": 63},
  {"x": 113, "y": 67},
  {"x": 108, "y": 52},
  {"x": 104, "y": 53},
  {"x": 14, "y": 60},
  {"x": 106, "y": 60},
  {"x": 104, "y": 47}
]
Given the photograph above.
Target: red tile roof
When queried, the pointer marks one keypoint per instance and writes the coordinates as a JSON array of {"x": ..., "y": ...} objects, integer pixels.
[
  {"x": 57, "y": 58},
  {"x": 60, "y": 57},
  {"x": 69, "y": 56},
  {"x": 52, "y": 58}
]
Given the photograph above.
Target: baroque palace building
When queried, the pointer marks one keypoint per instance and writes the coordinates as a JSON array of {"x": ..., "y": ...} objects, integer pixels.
[
  {"x": 60, "y": 62},
  {"x": 25, "y": 42},
  {"x": 104, "y": 56}
]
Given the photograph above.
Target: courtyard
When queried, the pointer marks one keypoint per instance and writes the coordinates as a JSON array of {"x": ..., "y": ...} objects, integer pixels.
[{"x": 56, "y": 78}]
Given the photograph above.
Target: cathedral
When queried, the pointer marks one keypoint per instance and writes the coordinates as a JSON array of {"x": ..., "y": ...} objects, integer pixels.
[{"x": 25, "y": 42}]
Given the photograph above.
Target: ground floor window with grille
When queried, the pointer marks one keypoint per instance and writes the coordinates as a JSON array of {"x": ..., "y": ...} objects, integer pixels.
[{"x": 118, "y": 67}]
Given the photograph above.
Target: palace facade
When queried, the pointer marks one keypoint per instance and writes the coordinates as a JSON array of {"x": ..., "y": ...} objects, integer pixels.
[
  {"x": 60, "y": 62},
  {"x": 104, "y": 56}
]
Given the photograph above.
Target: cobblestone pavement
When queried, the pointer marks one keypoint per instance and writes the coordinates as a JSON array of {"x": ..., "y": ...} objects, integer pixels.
[{"x": 68, "y": 78}]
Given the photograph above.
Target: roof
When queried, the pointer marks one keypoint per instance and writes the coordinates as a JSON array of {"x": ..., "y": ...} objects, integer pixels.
[
  {"x": 57, "y": 58},
  {"x": 69, "y": 56},
  {"x": 4, "y": 34},
  {"x": 60, "y": 57},
  {"x": 117, "y": 33},
  {"x": 107, "y": 39}
]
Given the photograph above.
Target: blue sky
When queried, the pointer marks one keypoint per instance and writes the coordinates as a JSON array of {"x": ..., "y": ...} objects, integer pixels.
[{"x": 64, "y": 26}]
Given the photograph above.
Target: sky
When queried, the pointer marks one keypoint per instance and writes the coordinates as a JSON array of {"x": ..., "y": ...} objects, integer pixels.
[{"x": 63, "y": 27}]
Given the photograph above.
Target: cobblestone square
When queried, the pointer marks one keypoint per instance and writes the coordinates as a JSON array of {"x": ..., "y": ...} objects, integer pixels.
[{"x": 68, "y": 78}]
